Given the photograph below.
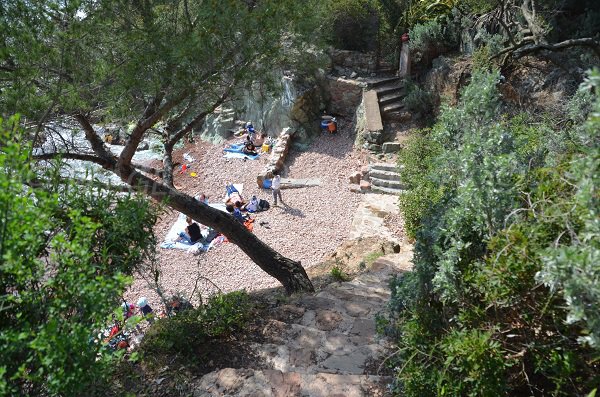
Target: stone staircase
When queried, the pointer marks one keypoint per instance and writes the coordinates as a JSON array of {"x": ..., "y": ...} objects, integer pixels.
[
  {"x": 390, "y": 93},
  {"x": 385, "y": 178},
  {"x": 320, "y": 345}
]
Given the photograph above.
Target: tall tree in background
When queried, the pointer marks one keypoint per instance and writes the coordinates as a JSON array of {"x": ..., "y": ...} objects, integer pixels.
[{"x": 164, "y": 65}]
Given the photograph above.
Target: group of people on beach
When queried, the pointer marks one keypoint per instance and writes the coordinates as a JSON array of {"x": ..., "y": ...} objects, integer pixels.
[{"x": 253, "y": 139}]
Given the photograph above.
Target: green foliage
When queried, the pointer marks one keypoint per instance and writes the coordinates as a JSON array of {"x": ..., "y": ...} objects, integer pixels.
[
  {"x": 426, "y": 35},
  {"x": 338, "y": 275},
  {"x": 474, "y": 365},
  {"x": 372, "y": 257},
  {"x": 189, "y": 330},
  {"x": 121, "y": 54},
  {"x": 417, "y": 99},
  {"x": 415, "y": 161},
  {"x": 431, "y": 38},
  {"x": 504, "y": 297},
  {"x": 351, "y": 24},
  {"x": 66, "y": 254}
]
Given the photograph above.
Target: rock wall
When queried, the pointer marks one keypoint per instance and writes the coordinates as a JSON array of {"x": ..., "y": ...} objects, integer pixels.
[
  {"x": 346, "y": 62},
  {"x": 271, "y": 111},
  {"x": 344, "y": 95}
]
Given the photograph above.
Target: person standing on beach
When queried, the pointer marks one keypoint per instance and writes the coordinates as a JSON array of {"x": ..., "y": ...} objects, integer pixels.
[{"x": 276, "y": 186}]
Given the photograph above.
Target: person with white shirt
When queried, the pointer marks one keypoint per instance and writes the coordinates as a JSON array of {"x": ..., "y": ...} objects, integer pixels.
[{"x": 276, "y": 186}]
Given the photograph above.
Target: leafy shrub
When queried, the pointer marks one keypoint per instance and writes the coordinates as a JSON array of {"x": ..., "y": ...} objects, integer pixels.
[
  {"x": 503, "y": 298},
  {"x": 338, "y": 274},
  {"x": 66, "y": 254},
  {"x": 417, "y": 99},
  {"x": 430, "y": 39},
  {"x": 186, "y": 332}
]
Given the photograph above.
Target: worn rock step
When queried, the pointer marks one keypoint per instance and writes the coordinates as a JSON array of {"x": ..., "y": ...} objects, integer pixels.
[
  {"x": 386, "y": 183},
  {"x": 392, "y": 107},
  {"x": 389, "y": 88},
  {"x": 383, "y": 166},
  {"x": 378, "y": 82},
  {"x": 274, "y": 383},
  {"x": 391, "y": 147},
  {"x": 395, "y": 96},
  {"x": 387, "y": 190},
  {"x": 383, "y": 174},
  {"x": 348, "y": 359}
]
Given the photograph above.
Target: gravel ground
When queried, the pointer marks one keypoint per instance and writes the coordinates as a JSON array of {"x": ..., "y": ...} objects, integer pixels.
[{"x": 314, "y": 222}]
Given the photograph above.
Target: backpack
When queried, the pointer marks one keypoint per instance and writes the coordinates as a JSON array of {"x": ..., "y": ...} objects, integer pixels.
[{"x": 263, "y": 205}]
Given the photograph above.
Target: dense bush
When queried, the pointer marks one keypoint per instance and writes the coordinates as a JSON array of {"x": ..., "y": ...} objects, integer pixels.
[
  {"x": 352, "y": 24},
  {"x": 186, "y": 332},
  {"x": 66, "y": 254},
  {"x": 430, "y": 39},
  {"x": 504, "y": 298},
  {"x": 417, "y": 100}
]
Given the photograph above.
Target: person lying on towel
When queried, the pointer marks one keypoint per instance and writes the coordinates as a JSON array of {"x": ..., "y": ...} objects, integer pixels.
[
  {"x": 232, "y": 195},
  {"x": 191, "y": 235}
]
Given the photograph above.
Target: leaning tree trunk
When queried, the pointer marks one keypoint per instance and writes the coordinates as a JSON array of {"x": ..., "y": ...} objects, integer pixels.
[{"x": 289, "y": 273}]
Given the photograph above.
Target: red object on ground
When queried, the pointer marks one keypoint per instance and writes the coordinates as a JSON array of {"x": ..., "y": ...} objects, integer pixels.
[
  {"x": 183, "y": 168},
  {"x": 405, "y": 37},
  {"x": 332, "y": 127}
]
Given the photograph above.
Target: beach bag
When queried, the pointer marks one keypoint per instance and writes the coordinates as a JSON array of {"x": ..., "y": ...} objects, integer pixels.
[{"x": 263, "y": 205}]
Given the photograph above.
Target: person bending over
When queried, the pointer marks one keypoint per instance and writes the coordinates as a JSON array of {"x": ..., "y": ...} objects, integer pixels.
[{"x": 192, "y": 233}]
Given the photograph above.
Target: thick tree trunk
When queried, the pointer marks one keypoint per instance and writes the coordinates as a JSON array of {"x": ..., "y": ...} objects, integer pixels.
[{"x": 289, "y": 273}]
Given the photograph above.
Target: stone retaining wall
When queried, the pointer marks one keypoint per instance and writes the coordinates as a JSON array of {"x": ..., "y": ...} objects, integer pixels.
[
  {"x": 353, "y": 61},
  {"x": 344, "y": 95},
  {"x": 279, "y": 152}
]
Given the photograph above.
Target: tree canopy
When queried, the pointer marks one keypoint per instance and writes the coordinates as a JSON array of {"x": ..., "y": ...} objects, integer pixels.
[{"x": 163, "y": 65}]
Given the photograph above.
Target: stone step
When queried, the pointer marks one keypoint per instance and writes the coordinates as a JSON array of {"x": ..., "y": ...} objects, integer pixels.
[
  {"x": 348, "y": 358},
  {"x": 383, "y": 174},
  {"x": 386, "y": 183},
  {"x": 401, "y": 116},
  {"x": 395, "y": 96},
  {"x": 384, "y": 167},
  {"x": 387, "y": 190},
  {"x": 378, "y": 82},
  {"x": 392, "y": 107},
  {"x": 391, "y": 147},
  {"x": 246, "y": 382},
  {"x": 389, "y": 88}
]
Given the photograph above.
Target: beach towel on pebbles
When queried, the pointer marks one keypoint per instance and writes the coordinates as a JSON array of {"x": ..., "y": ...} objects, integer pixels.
[{"x": 180, "y": 225}]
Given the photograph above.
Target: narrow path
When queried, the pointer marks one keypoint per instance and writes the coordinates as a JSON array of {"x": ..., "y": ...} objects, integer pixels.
[{"x": 322, "y": 344}]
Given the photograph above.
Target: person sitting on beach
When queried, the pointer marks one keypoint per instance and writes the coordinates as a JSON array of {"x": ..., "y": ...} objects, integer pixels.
[
  {"x": 249, "y": 147},
  {"x": 250, "y": 131},
  {"x": 260, "y": 139},
  {"x": 192, "y": 233},
  {"x": 202, "y": 198},
  {"x": 252, "y": 206},
  {"x": 235, "y": 211}
]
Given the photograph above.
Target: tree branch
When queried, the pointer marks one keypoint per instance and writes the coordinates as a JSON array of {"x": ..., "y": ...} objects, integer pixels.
[
  {"x": 590, "y": 42},
  {"x": 75, "y": 156},
  {"x": 144, "y": 124},
  {"x": 93, "y": 138},
  {"x": 200, "y": 117},
  {"x": 148, "y": 170}
]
